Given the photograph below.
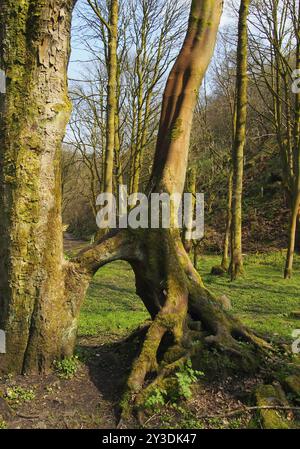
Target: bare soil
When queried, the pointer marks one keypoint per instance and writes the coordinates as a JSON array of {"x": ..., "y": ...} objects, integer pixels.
[{"x": 91, "y": 398}]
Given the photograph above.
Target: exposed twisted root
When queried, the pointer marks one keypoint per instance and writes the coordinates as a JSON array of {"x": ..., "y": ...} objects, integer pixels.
[
  {"x": 182, "y": 301},
  {"x": 167, "y": 321},
  {"x": 174, "y": 294}
]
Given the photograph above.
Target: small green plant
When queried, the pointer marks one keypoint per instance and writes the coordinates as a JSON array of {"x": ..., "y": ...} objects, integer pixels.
[
  {"x": 3, "y": 424},
  {"x": 191, "y": 423},
  {"x": 185, "y": 378},
  {"x": 236, "y": 424},
  {"x": 185, "y": 418},
  {"x": 156, "y": 399},
  {"x": 216, "y": 423},
  {"x": 18, "y": 394},
  {"x": 66, "y": 368},
  {"x": 180, "y": 389}
]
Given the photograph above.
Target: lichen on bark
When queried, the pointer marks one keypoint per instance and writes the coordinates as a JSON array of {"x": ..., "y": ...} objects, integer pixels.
[{"x": 35, "y": 113}]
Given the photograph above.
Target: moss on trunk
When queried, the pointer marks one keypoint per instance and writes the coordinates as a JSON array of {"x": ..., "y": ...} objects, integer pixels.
[
  {"x": 236, "y": 263},
  {"x": 35, "y": 110}
]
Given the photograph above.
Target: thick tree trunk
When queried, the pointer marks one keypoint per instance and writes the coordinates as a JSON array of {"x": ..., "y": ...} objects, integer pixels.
[
  {"x": 178, "y": 302},
  {"x": 236, "y": 263},
  {"x": 166, "y": 280},
  {"x": 34, "y": 113}
]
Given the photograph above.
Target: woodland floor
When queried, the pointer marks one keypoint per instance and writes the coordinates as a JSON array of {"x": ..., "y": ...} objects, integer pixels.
[{"x": 89, "y": 399}]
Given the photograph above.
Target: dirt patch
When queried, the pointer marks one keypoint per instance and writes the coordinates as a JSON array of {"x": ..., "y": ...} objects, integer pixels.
[
  {"x": 91, "y": 398},
  {"x": 72, "y": 244}
]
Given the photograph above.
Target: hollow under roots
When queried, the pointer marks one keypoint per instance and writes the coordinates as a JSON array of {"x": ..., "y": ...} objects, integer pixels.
[{"x": 187, "y": 318}]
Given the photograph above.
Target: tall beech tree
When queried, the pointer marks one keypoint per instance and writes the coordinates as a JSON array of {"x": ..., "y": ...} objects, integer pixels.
[
  {"x": 40, "y": 292},
  {"x": 111, "y": 28},
  {"x": 226, "y": 242},
  {"x": 236, "y": 263},
  {"x": 154, "y": 41}
]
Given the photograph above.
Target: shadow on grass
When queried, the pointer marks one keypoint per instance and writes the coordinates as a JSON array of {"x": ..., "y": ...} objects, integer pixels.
[
  {"x": 109, "y": 364},
  {"x": 245, "y": 284},
  {"x": 110, "y": 286}
]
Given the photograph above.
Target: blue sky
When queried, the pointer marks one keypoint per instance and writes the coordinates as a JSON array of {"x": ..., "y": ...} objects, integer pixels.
[{"x": 79, "y": 55}]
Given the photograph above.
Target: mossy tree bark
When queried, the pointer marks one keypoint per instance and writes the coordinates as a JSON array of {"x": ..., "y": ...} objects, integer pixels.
[
  {"x": 34, "y": 113},
  {"x": 236, "y": 263}
]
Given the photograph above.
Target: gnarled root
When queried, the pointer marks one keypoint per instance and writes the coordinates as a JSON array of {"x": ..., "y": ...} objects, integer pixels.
[
  {"x": 187, "y": 322},
  {"x": 187, "y": 319}
]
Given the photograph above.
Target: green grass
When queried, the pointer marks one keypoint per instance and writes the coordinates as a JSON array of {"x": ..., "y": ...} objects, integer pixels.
[
  {"x": 262, "y": 298},
  {"x": 111, "y": 305}
]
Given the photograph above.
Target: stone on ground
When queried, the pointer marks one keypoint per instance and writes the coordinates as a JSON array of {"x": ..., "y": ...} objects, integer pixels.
[
  {"x": 272, "y": 395},
  {"x": 292, "y": 384}
]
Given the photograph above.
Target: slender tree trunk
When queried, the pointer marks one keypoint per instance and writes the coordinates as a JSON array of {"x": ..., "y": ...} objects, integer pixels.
[
  {"x": 141, "y": 144},
  {"x": 295, "y": 188},
  {"x": 137, "y": 159},
  {"x": 111, "y": 93},
  {"x": 119, "y": 170},
  {"x": 225, "y": 258},
  {"x": 166, "y": 280},
  {"x": 118, "y": 163},
  {"x": 236, "y": 264},
  {"x": 190, "y": 188},
  {"x": 297, "y": 238},
  {"x": 292, "y": 237},
  {"x": 195, "y": 262},
  {"x": 132, "y": 146}
]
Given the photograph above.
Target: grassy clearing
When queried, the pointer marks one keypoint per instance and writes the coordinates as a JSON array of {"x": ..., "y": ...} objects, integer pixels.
[
  {"x": 111, "y": 305},
  {"x": 262, "y": 298},
  {"x": 85, "y": 395}
]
